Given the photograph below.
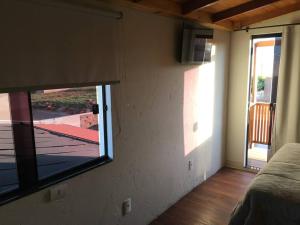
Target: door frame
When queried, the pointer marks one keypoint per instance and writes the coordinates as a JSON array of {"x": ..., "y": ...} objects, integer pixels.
[{"x": 256, "y": 36}]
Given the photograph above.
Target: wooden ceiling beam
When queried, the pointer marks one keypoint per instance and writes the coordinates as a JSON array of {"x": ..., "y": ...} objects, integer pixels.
[
  {"x": 157, "y": 6},
  {"x": 246, "y": 7},
  {"x": 193, "y": 5},
  {"x": 173, "y": 8},
  {"x": 275, "y": 13},
  {"x": 169, "y": 8}
]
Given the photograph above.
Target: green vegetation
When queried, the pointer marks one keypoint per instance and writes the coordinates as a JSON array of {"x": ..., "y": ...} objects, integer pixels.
[
  {"x": 261, "y": 83},
  {"x": 69, "y": 101}
]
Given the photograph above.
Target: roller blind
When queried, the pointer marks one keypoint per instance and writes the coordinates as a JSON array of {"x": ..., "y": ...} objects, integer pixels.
[{"x": 44, "y": 44}]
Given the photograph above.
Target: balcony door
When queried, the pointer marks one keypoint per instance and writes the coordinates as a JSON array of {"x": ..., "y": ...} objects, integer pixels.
[{"x": 263, "y": 79}]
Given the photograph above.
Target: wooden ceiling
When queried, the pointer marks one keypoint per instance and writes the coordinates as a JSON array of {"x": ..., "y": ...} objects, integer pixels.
[{"x": 224, "y": 14}]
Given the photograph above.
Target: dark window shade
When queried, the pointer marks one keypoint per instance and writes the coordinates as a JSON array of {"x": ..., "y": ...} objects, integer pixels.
[{"x": 44, "y": 45}]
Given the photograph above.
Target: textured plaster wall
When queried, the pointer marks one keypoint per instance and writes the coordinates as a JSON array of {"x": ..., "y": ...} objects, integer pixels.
[{"x": 164, "y": 114}]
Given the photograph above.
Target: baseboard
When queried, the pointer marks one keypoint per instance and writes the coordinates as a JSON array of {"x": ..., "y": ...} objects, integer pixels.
[
  {"x": 234, "y": 164},
  {"x": 238, "y": 166}
]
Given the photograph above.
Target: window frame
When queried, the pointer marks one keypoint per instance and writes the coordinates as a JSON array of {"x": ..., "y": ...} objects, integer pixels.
[{"x": 28, "y": 185}]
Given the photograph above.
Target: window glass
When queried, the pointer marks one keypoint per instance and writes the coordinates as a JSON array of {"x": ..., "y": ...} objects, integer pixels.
[
  {"x": 66, "y": 128},
  {"x": 8, "y": 168}
]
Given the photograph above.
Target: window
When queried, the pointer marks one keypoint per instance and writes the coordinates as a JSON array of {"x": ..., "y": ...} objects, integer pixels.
[
  {"x": 8, "y": 168},
  {"x": 48, "y": 135}
]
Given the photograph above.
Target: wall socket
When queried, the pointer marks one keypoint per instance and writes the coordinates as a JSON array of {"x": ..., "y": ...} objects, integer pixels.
[
  {"x": 126, "y": 206},
  {"x": 190, "y": 165},
  {"x": 57, "y": 192}
]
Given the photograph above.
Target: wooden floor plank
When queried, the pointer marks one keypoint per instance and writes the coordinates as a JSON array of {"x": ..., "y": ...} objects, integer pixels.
[{"x": 210, "y": 203}]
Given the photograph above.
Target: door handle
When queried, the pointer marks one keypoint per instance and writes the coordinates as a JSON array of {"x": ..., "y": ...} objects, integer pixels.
[{"x": 95, "y": 109}]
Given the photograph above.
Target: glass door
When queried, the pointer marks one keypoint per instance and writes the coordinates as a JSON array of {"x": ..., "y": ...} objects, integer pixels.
[{"x": 265, "y": 58}]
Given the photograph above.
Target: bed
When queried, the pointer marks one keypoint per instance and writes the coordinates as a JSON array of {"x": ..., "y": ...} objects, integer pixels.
[{"x": 273, "y": 197}]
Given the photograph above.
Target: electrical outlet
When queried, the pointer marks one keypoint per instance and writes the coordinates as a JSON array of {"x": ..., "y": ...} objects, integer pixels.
[
  {"x": 190, "y": 165},
  {"x": 126, "y": 206},
  {"x": 57, "y": 192},
  {"x": 195, "y": 127}
]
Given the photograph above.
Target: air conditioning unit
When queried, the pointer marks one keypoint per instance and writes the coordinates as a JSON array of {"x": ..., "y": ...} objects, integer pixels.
[{"x": 196, "y": 45}]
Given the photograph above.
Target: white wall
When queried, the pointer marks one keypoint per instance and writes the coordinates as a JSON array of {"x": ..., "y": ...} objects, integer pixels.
[
  {"x": 238, "y": 86},
  {"x": 164, "y": 115}
]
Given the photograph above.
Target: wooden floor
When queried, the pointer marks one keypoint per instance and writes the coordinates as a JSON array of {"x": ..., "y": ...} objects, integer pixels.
[{"x": 211, "y": 203}]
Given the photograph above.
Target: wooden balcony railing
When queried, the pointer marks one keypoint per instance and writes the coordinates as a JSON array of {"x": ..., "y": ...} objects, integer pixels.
[{"x": 261, "y": 120}]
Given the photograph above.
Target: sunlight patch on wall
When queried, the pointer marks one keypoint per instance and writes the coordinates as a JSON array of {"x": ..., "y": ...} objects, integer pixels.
[{"x": 198, "y": 105}]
